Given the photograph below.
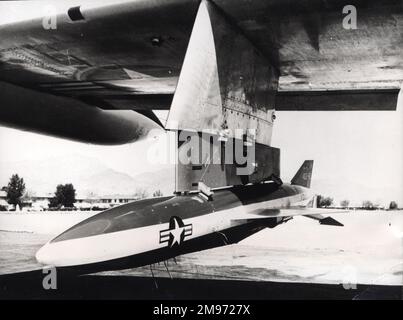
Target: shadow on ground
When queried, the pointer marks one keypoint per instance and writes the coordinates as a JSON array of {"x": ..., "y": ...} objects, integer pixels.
[{"x": 28, "y": 285}]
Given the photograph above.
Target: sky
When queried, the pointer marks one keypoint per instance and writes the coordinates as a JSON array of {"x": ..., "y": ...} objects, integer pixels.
[{"x": 352, "y": 150}]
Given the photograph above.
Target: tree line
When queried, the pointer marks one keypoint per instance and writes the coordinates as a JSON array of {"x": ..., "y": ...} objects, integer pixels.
[
  {"x": 64, "y": 196},
  {"x": 326, "y": 202}
]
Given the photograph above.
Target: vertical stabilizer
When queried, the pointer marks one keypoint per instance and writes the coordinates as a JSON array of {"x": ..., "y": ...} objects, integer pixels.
[
  {"x": 313, "y": 202},
  {"x": 304, "y": 175}
]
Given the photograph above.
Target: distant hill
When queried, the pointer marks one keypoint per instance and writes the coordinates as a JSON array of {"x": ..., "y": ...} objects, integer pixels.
[
  {"x": 109, "y": 182},
  {"x": 88, "y": 175}
]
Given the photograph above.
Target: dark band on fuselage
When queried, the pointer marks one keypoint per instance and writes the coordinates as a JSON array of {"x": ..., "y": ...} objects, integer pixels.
[{"x": 149, "y": 212}]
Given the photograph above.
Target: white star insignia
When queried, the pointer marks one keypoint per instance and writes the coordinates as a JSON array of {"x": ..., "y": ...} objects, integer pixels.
[{"x": 176, "y": 233}]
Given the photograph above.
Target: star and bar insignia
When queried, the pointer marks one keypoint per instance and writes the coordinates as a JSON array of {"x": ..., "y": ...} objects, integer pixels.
[{"x": 176, "y": 233}]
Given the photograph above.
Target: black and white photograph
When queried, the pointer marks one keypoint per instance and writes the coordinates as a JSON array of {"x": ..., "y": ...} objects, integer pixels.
[{"x": 193, "y": 150}]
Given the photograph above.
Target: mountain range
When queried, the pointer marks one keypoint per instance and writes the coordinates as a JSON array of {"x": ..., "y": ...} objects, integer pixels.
[
  {"x": 91, "y": 177},
  {"x": 88, "y": 175}
]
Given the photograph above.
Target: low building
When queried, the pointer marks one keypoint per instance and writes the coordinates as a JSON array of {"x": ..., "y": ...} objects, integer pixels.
[
  {"x": 116, "y": 199},
  {"x": 41, "y": 202},
  {"x": 3, "y": 199}
]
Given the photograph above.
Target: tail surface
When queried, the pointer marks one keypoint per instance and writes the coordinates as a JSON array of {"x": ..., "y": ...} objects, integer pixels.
[{"x": 304, "y": 174}]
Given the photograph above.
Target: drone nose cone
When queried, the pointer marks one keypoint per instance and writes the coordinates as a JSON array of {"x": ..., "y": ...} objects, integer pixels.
[
  {"x": 88, "y": 244},
  {"x": 54, "y": 255},
  {"x": 78, "y": 245},
  {"x": 44, "y": 256},
  {"x": 62, "y": 254},
  {"x": 111, "y": 235}
]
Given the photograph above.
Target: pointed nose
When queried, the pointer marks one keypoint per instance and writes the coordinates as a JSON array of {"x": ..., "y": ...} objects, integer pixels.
[
  {"x": 42, "y": 256},
  {"x": 65, "y": 253},
  {"x": 58, "y": 255}
]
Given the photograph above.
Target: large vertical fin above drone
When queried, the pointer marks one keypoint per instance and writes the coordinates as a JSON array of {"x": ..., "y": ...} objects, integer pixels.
[{"x": 225, "y": 94}]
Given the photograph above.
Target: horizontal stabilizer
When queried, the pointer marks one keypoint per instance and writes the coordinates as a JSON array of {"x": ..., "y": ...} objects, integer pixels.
[
  {"x": 328, "y": 221},
  {"x": 313, "y": 213}
]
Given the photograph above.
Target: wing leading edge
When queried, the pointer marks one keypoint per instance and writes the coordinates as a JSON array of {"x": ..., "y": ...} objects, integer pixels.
[{"x": 312, "y": 213}]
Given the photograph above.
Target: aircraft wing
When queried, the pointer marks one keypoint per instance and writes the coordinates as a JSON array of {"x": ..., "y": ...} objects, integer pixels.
[
  {"x": 127, "y": 55},
  {"x": 111, "y": 54},
  {"x": 95, "y": 70},
  {"x": 318, "y": 214}
]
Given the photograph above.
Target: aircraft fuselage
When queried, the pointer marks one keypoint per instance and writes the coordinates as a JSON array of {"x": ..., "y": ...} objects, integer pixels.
[{"x": 153, "y": 230}]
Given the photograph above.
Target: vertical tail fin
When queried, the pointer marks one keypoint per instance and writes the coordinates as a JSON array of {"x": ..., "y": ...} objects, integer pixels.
[
  {"x": 304, "y": 174},
  {"x": 313, "y": 202}
]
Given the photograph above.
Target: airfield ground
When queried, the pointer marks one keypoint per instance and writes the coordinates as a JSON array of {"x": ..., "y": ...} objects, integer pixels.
[{"x": 300, "y": 259}]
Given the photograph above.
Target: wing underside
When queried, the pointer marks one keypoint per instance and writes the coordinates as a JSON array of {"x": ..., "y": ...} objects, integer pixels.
[
  {"x": 321, "y": 215},
  {"x": 128, "y": 55}
]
